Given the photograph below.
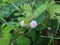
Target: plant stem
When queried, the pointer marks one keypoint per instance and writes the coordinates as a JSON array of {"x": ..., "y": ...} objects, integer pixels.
[
  {"x": 57, "y": 28},
  {"x": 23, "y": 35},
  {"x": 50, "y": 37}
]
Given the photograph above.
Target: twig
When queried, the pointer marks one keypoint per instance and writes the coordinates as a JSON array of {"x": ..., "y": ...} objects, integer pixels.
[{"x": 50, "y": 37}]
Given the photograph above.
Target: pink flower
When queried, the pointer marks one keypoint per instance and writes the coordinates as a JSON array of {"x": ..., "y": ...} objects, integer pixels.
[
  {"x": 33, "y": 24},
  {"x": 23, "y": 23}
]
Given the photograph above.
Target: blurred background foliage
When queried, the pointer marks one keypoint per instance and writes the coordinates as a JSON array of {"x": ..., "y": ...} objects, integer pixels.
[{"x": 45, "y": 12}]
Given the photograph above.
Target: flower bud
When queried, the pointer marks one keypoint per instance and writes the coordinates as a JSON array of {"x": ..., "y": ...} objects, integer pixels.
[
  {"x": 33, "y": 24},
  {"x": 23, "y": 23},
  {"x": 49, "y": 28}
]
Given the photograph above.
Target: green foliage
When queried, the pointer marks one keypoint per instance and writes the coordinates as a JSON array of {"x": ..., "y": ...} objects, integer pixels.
[
  {"x": 27, "y": 10},
  {"x": 23, "y": 41},
  {"x": 4, "y": 41},
  {"x": 45, "y": 12}
]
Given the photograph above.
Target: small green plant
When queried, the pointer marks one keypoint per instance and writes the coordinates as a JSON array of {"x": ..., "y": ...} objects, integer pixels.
[{"x": 29, "y": 22}]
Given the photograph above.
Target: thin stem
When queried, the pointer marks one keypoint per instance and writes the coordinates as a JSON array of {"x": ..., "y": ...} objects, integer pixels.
[
  {"x": 50, "y": 37},
  {"x": 23, "y": 35},
  {"x": 57, "y": 28},
  {"x": 46, "y": 26}
]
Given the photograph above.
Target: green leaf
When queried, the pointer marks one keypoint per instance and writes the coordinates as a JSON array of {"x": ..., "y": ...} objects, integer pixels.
[
  {"x": 27, "y": 10},
  {"x": 20, "y": 18},
  {"x": 40, "y": 18},
  {"x": 5, "y": 13},
  {"x": 56, "y": 8},
  {"x": 17, "y": 14},
  {"x": 15, "y": 36},
  {"x": 42, "y": 8},
  {"x": 58, "y": 18},
  {"x": 5, "y": 0},
  {"x": 6, "y": 31},
  {"x": 8, "y": 28},
  {"x": 23, "y": 41},
  {"x": 22, "y": 30},
  {"x": 4, "y": 41},
  {"x": 52, "y": 13},
  {"x": 32, "y": 35},
  {"x": 39, "y": 28}
]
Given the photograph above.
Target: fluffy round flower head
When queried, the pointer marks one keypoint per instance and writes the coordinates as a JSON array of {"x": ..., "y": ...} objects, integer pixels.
[
  {"x": 23, "y": 23},
  {"x": 33, "y": 24}
]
